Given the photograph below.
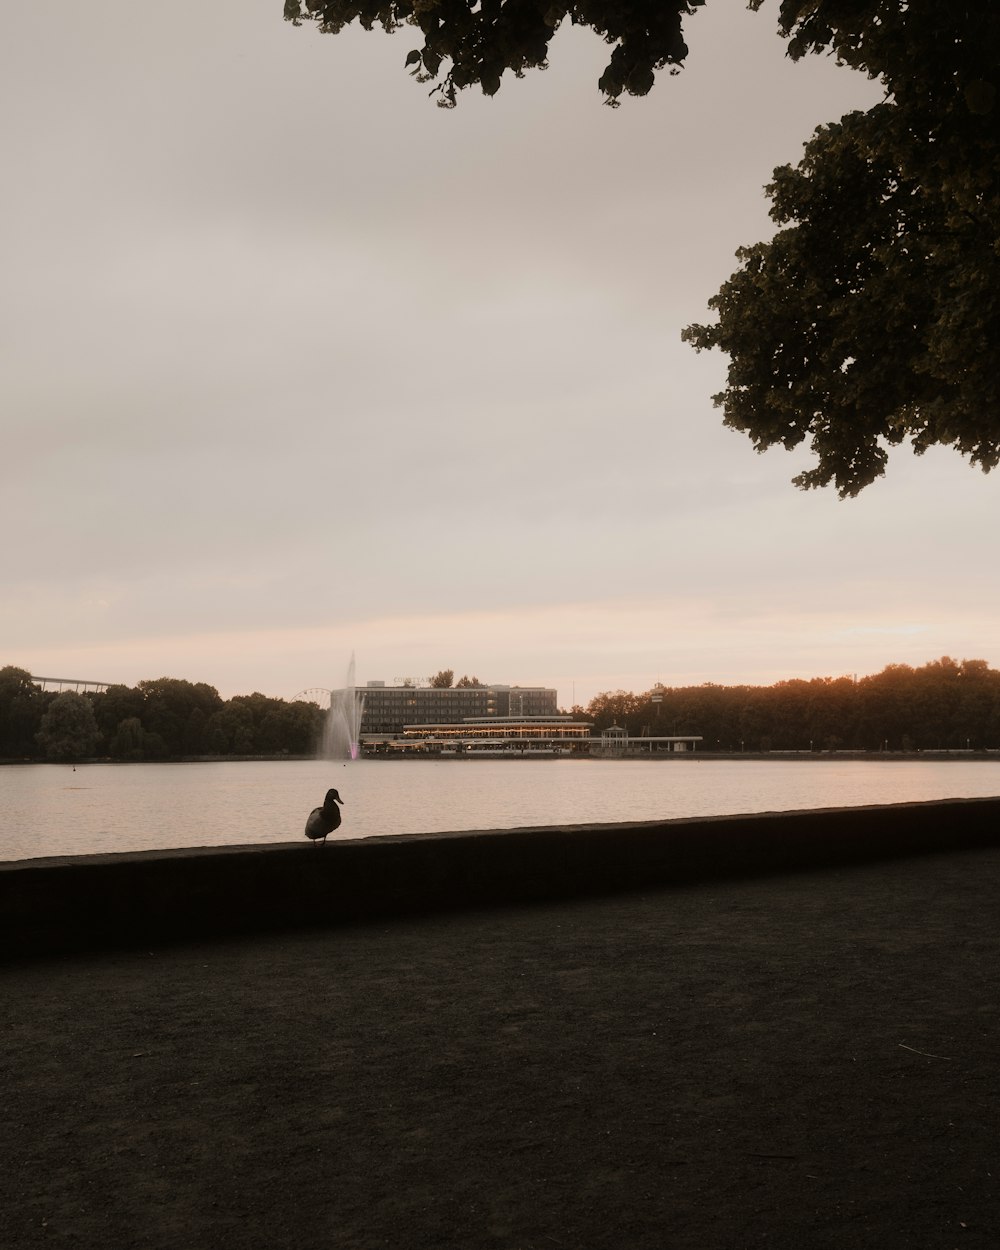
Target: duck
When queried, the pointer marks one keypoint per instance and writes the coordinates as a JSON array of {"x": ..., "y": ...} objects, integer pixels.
[{"x": 323, "y": 820}]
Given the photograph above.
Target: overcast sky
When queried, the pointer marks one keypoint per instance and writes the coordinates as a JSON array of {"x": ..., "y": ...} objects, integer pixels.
[{"x": 297, "y": 364}]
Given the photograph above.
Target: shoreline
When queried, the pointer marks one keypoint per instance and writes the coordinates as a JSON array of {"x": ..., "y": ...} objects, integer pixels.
[{"x": 935, "y": 755}]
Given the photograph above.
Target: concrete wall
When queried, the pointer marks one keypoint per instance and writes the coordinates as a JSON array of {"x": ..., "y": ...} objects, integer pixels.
[{"x": 51, "y": 905}]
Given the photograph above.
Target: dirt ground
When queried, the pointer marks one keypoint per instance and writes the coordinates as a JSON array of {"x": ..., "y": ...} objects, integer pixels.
[{"x": 796, "y": 1062}]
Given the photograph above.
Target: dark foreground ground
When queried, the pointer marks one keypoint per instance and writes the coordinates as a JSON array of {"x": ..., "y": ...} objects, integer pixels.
[{"x": 800, "y": 1061}]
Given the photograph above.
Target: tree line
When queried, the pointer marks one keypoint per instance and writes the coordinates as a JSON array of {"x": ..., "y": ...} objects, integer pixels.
[
  {"x": 445, "y": 680},
  {"x": 167, "y": 718},
  {"x": 944, "y": 705}
]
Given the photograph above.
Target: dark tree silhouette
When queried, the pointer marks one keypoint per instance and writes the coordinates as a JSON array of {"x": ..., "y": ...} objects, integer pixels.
[{"x": 872, "y": 317}]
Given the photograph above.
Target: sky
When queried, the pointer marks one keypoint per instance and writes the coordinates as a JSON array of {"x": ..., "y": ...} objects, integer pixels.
[{"x": 295, "y": 366}]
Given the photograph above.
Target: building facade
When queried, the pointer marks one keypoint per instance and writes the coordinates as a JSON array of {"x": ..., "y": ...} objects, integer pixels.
[
  {"x": 387, "y": 709},
  {"x": 487, "y": 735}
]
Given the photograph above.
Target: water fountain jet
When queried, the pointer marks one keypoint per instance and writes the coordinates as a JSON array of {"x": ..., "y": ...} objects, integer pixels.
[{"x": 342, "y": 728}]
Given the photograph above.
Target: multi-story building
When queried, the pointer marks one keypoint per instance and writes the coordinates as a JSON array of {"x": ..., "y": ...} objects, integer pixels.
[{"x": 387, "y": 709}]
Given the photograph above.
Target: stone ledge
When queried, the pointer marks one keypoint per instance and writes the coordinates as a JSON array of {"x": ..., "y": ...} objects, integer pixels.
[{"x": 131, "y": 898}]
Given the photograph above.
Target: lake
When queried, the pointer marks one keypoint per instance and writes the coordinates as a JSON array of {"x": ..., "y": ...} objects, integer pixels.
[{"x": 49, "y": 809}]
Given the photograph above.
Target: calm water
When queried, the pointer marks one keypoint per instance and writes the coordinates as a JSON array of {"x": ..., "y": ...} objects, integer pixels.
[{"x": 53, "y": 810}]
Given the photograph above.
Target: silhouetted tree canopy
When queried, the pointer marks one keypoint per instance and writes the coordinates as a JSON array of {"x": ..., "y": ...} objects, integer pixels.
[
  {"x": 951, "y": 705},
  {"x": 475, "y": 42},
  {"x": 873, "y": 316},
  {"x": 68, "y": 730},
  {"x": 166, "y": 718},
  {"x": 22, "y": 705},
  {"x": 946, "y": 704}
]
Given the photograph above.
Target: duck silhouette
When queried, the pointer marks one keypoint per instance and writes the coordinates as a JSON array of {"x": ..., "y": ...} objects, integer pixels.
[{"x": 323, "y": 820}]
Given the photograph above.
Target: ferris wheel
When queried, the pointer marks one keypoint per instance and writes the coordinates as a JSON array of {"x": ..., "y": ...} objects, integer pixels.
[{"x": 315, "y": 694}]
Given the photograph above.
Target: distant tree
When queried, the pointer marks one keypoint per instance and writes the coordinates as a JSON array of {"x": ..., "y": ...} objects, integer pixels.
[
  {"x": 115, "y": 704},
  {"x": 216, "y": 737},
  {"x": 233, "y": 727},
  {"x": 294, "y": 728},
  {"x": 128, "y": 743},
  {"x": 22, "y": 704},
  {"x": 464, "y": 682},
  {"x": 832, "y": 713},
  {"x": 443, "y": 680},
  {"x": 945, "y": 703},
  {"x": 261, "y": 725},
  {"x": 890, "y": 710},
  {"x": 168, "y": 704},
  {"x": 977, "y": 704},
  {"x": 68, "y": 730},
  {"x": 193, "y": 734},
  {"x": 154, "y": 747},
  {"x": 618, "y": 707},
  {"x": 260, "y": 707}
]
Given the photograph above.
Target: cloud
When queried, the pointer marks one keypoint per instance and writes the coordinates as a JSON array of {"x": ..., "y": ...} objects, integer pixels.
[{"x": 298, "y": 364}]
